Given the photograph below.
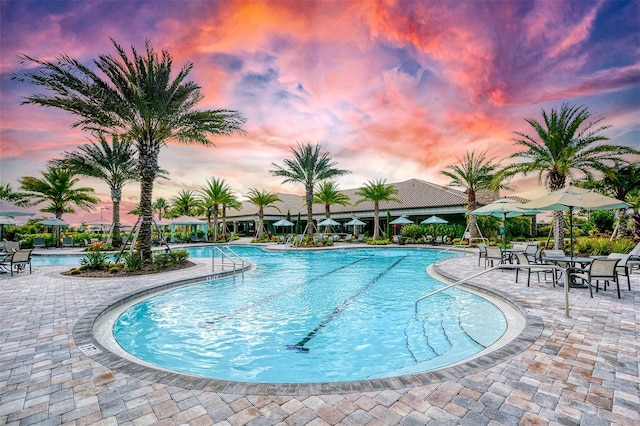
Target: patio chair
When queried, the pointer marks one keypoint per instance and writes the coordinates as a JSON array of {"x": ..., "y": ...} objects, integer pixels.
[
  {"x": 67, "y": 242},
  {"x": 360, "y": 238},
  {"x": 39, "y": 243},
  {"x": 18, "y": 260},
  {"x": 11, "y": 246},
  {"x": 494, "y": 253},
  {"x": 428, "y": 239},
  {"x": 634, "y": 258},
  {"x": 623, "y": 265},
  {"x": 523, "y": 260},
  {"x": 599, "y": 270},
  {"x": 482, "y": 254},
  {"x": 348, "y": 238}
]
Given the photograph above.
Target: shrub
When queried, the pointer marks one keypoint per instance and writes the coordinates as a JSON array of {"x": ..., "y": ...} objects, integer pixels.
[
  {"x": 413, "y": 231},
  {"x": 95, "y": 260},
  {"x": 174, "y": 257},
  {"x": 622, "y": 245},
  {"x": 132, "y": 262}
]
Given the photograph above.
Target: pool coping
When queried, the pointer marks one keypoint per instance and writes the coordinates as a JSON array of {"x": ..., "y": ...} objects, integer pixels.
[{"x": 86, "y": 341}]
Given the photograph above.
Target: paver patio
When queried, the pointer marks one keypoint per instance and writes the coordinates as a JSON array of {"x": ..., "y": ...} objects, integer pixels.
[{"x": 582, "y": 370}]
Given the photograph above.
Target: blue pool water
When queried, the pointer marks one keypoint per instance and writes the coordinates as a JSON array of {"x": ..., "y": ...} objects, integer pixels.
[{"x": 311, "y": 317}]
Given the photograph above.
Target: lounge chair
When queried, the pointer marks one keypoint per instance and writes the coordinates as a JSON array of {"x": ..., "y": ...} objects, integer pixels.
[
  {"x": 39, "y": 243},
  {"x": 348, "y": 238},
  {"x": 66, "y": 243},
  {"x": 360, "y": 238}
]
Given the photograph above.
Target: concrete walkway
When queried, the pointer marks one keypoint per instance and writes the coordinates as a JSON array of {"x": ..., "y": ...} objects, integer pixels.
[{"x": 581, "y": 370}]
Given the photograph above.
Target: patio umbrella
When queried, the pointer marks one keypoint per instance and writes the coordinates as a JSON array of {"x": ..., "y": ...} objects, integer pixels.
[
  {"x": 401, "y": 221},
  {"x": 571, "y": 197},
  {"x": 328, "y": 223},
  {"x": 11, "y": 210},
  {"x": 283, "y": 222},
  {"x": 56, "y": 223},
  {"x": 504, "y": 208},
  {"x": 355, "y": 222},
  {"x": 433, "y": 220}
]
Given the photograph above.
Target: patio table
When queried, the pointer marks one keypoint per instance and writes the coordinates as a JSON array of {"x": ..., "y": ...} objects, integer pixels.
[{"x": 571, "y": 266}]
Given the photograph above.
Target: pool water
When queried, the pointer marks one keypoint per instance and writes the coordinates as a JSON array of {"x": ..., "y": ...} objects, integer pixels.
[{"x": 306, "y": 316}]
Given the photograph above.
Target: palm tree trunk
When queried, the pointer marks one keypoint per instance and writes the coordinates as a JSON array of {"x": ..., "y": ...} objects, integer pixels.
[
  {"x": 115, "y": 217},
  {"x": 558, "y": 230},
  {"x": 309, "y": 199},
  {"x": 471, "y": 206},
  {"x": 376, "y": 220},
  {"x": 260, "y": 234},
  {"x": 215, "y": 223},
  {"x": 146, "y": 214}
]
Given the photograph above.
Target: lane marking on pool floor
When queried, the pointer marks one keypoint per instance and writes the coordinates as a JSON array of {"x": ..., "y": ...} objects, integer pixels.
[
  {"x": 300, "y": 345},
  {"x": 211, "y": 323}
]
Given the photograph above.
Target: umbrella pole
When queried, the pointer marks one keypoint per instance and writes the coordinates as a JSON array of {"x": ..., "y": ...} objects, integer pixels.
[
  {"x": 504, "y": 225},
  {"x": 571, "y": 229}
]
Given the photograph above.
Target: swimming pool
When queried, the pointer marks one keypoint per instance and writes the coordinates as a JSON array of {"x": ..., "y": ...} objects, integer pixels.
[{"x": 305, "y": 316}]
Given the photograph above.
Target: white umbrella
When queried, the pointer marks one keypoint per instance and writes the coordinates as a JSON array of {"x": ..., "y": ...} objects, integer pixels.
[
  {"x": 355, "y": 222},
  {"x": 57, "y": 223},
  {"x": 6, "y": 220},
  {"x": 504, "y": 208},
  {"x": 401, "y": 221},
  {"x": 434, "y": 220},
  {"x": 328, "y": 222},
  {"x": 571, "y": 197},
  {"x": 283, "y": 222},
  {"x": 11, "y": 210}
]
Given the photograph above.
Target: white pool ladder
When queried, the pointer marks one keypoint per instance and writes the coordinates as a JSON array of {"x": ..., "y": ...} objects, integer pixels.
[{"x": 227, "y": 257}]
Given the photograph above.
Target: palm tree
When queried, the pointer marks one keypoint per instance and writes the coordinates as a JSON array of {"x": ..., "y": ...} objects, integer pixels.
[
  {"x": 113, "y": 164},
  {"x": 474, "y": 172},
  {"x": 566, "y": 142},
  {"x": 262, "y": 199},
  {"x": 377, "y": 191},
  {"x": 56, "y": 190},
  {"x": 162, "y": 207},
  {"x": 137, "y": 98},
  {"x": 308, "y": 167},
  {"x": 185, "y": 203},
  {"x": 328, "y": 194},
  {"x": 620, "y": 183},
  {"x": 230, "y": 203},
  {"x": 212, "y": 195},
  {"x": 7, "y": 193}
]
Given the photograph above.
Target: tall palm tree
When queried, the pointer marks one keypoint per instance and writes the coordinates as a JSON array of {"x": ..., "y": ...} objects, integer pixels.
[
  {"x": 139, "y": 98},
  {"x": 566, "y": 142},
  {"x": 7, "y": 193},
  {"x": 113, "y": 164},
  {"x": 230, "y": 203},
  {"x": 161, "y": 206},
  {"x": 185, "y": 203},
  {"x": 56, "y": 190},
  {"x": 377, "y": 191},
  {"x": 474, "y": 172},
  {"x": 262, "y": 200},
  {"x": 308, "y": 166},
  {"x": 212, "y": 195}
]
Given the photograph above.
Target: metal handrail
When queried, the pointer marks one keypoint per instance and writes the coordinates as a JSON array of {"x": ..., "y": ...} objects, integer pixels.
[
  {"x": 223, "y": 256},
  {"x": 503, "y": 266}
]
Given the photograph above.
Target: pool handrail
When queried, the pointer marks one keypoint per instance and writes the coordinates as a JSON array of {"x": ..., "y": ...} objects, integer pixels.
[
  {"x": 504, "y": 266},
  {"x": 223, "y": 255}
]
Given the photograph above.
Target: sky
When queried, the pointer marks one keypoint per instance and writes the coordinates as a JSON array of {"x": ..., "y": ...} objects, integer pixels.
[{"x": 392, "y": 90}]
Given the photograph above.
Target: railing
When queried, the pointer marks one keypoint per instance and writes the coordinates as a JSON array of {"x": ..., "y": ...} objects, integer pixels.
[
  {"x": 503, "y": 266},
  {"x": 227, "y": 253}
]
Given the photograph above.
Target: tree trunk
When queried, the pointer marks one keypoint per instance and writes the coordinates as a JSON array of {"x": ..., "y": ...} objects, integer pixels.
[
  {"x": 471, "y": 206},
  {"x": 558, "y": 230},
  {"x": 215, "y": 223},
  {"x": 309, "y": 199},
  {"x": 260, "y": 234},
  {"x": 146, "y": 214},
  {"x": 115, "y": 218},
  {"x": 376, "y": 220}
]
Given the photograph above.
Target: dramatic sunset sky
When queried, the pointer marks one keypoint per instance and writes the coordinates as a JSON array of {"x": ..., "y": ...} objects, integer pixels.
[{"x": 392, "y": 89}]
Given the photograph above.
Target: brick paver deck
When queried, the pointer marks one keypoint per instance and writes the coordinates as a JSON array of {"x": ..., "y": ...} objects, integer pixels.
[{"x": 581, "y": 370}]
